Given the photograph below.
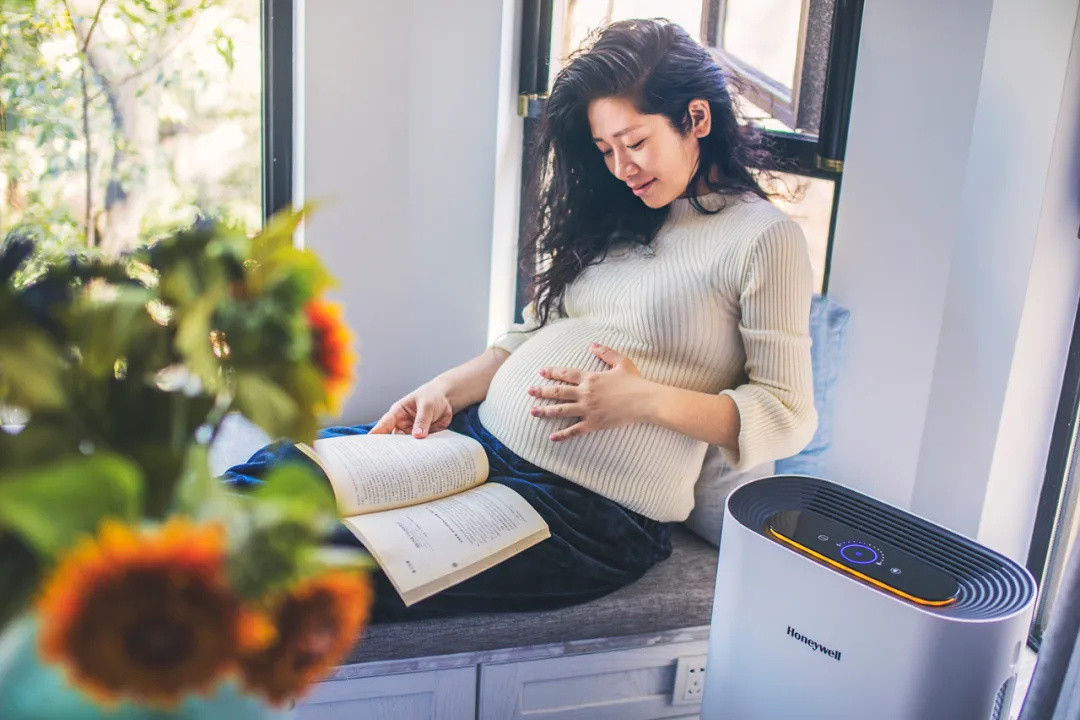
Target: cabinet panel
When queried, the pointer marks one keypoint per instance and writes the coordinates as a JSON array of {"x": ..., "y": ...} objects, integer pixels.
[
  {"x": 620, "y": 685},
  {"x": 436, "y": 695}
]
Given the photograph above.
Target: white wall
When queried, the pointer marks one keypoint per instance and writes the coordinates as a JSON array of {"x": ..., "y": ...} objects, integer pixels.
[
  {"x": 1034, "y": 385},
  {"x": 399, "y": 145},
  {"x": 955, "y": 109},
  {"x": 898, "y": 210}
]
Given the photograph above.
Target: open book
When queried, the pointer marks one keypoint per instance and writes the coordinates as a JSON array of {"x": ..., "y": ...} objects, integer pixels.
[{"x": 422, "y": 509}]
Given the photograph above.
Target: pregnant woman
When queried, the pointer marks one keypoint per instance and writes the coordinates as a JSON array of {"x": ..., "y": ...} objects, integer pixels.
[{"x": 671, "y": 312}]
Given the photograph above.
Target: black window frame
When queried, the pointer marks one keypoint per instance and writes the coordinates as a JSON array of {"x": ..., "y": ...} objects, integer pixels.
[
  {"x": 1051, "y": 509},
  {"x": 536, "y": 25},
  {"x": 276, "y": 21}
]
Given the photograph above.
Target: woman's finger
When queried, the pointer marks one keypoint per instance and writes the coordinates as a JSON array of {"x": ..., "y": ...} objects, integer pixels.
[
  {"x": 560, "y": 410},
  {"x": 383, "y": 426},
  {"x": 570, "y": 375},
  {"x": 423, "y": 419},
  {"x": 555, "y": 392},
  {"x": 572, "y": 431},
  {"x": 609, "y": 356}
]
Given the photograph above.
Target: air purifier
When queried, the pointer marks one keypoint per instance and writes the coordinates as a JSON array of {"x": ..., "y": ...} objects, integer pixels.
[{"x": 830, "y": 604}]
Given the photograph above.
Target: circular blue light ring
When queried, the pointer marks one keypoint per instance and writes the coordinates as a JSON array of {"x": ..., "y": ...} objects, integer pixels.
[{"x": 856, "y": 548}]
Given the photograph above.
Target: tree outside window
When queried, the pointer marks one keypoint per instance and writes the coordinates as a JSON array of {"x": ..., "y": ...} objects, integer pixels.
[{"x": 121, "y": 120}]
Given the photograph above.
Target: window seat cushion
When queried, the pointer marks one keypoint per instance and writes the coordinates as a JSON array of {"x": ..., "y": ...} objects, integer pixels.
[{"x": 676, "y": 593}]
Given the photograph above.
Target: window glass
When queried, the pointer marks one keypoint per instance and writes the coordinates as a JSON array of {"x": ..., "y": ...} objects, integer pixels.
[
  {"x": 764, "y": 34},
  {"x": 126, "y": 119},
  {"x": 582, "y": 16}
]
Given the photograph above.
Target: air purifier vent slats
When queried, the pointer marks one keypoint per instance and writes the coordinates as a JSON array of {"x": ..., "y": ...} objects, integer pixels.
[{"x": 990, "y": 584}]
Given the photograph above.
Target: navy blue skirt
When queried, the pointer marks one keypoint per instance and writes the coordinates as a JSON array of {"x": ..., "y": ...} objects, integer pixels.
[{"x": 596, "y": 545}]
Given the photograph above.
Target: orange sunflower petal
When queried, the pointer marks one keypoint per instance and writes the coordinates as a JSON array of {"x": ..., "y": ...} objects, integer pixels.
[
  {"x": 318, "y": 623},
  {"x": 332, "y": 354},
  {"x": 142, "y": 615}
]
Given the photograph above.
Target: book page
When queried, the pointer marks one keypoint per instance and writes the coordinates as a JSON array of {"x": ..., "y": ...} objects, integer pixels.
[
  {"x": 426, "y": 548},
  {"x": 375, "y": 472}
]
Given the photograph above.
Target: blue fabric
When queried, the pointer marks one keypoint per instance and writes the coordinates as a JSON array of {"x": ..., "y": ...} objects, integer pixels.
[
  {"x": 828, "y": 329},
  {"x": 596, "y": 545}
]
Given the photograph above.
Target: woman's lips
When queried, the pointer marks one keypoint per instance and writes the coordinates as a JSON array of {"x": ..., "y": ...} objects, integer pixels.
[{"x": 642, "y": 189}]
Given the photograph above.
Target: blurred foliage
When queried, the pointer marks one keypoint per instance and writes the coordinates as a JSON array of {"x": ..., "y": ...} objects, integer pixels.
[{"x": 123, "y": 370}]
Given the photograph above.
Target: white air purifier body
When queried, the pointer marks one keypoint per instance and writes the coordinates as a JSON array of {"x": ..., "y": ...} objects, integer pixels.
[{"x": 830, "y": 604}]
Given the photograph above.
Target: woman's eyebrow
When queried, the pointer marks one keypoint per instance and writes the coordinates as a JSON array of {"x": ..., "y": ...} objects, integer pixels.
[{"x": 621, "y": 132}]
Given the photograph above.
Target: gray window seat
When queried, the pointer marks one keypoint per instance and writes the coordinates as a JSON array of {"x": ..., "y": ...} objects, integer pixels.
[
  {"x": 615, "y": 657},
  {"x": 675, "y": 594}
]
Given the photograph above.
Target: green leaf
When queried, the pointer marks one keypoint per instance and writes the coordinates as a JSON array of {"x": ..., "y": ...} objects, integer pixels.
[
  {"x": 193, "y": 340},
  {"x": 268, "y": 557},
  {"x": 266, "y": 404},
  {"x": 198, "y": 493},
  {"x": 226, "y": 48},
  {"x": 299, "y": 488},
  {"x": 31, "y": 366},
  {"x": 180, "y": 283},
  {"x": 51, "y": 506},
  {"x": 105, "y": 331},
  {"x": 276, "y": 530},
  {"x": 304, "y": 384},
  {"x": 274, "y": 256}
]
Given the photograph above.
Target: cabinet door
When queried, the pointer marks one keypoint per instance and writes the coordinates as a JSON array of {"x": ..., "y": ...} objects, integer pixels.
[
  {"x": 435, "y": 695},
  {"x": 633, "y": 684}
]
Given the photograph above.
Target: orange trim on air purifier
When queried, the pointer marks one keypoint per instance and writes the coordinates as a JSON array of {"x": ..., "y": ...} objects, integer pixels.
[{"x": 856, "y": 573}]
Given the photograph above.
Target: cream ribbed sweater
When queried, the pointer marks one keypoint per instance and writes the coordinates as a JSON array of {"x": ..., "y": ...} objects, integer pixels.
[{"x": 722, "y": 306}]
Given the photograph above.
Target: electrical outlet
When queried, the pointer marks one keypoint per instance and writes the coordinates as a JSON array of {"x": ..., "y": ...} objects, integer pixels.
[{"x": 689, "y": 680}]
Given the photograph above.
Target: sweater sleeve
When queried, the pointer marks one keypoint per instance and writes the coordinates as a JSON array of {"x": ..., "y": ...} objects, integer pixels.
[{"x": 776, "y": 404}]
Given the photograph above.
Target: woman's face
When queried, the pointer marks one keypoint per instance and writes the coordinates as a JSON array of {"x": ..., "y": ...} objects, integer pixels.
[{"x": 645, "y": 151}]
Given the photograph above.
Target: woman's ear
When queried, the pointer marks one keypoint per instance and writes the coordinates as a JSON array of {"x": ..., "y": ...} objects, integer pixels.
[{"x": 700, "y": 117}]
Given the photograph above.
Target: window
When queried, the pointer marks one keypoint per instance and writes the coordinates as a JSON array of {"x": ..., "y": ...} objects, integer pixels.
[
  {"x": 793, "y": 61},
  {"x": 125, "y": 119},
  {"x": 781, "y": 49}
]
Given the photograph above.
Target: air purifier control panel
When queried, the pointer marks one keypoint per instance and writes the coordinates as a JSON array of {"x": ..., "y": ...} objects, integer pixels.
[{"x": 869, "y": 559}]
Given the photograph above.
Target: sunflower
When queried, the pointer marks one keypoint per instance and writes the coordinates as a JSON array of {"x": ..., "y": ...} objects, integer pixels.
[
  {"x": 331, "y": 355},
  {"x": 317, "y": 624},
  {"x": 142, "y": 615}
]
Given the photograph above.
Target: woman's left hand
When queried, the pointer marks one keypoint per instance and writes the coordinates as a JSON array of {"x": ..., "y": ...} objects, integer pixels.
[{"x": 602, "y": 400}]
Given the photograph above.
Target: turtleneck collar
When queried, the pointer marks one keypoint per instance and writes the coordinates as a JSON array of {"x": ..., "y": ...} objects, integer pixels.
[{"x": 681, "y": 208}]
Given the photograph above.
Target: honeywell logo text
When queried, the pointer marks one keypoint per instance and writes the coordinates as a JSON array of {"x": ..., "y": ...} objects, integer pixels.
[{"x": 835, "y": 654}]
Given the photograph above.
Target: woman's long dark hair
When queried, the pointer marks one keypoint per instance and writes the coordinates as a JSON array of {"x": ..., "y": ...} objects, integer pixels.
[{"x": 583, "y": 210}]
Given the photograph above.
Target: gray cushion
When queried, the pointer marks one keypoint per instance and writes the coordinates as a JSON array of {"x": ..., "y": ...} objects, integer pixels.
[
  {"x": 828, "y": 330},
  {"x": 676, "y": 593},
  {"x": 716, "y": 482}
]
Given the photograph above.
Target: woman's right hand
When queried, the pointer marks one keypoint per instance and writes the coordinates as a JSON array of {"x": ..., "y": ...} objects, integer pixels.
[{"x": 424, "y": 410}]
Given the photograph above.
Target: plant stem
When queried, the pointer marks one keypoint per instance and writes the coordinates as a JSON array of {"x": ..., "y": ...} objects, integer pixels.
[
  {"x": 83, "y": 44},
  {"x": 89, "y": 156}
]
